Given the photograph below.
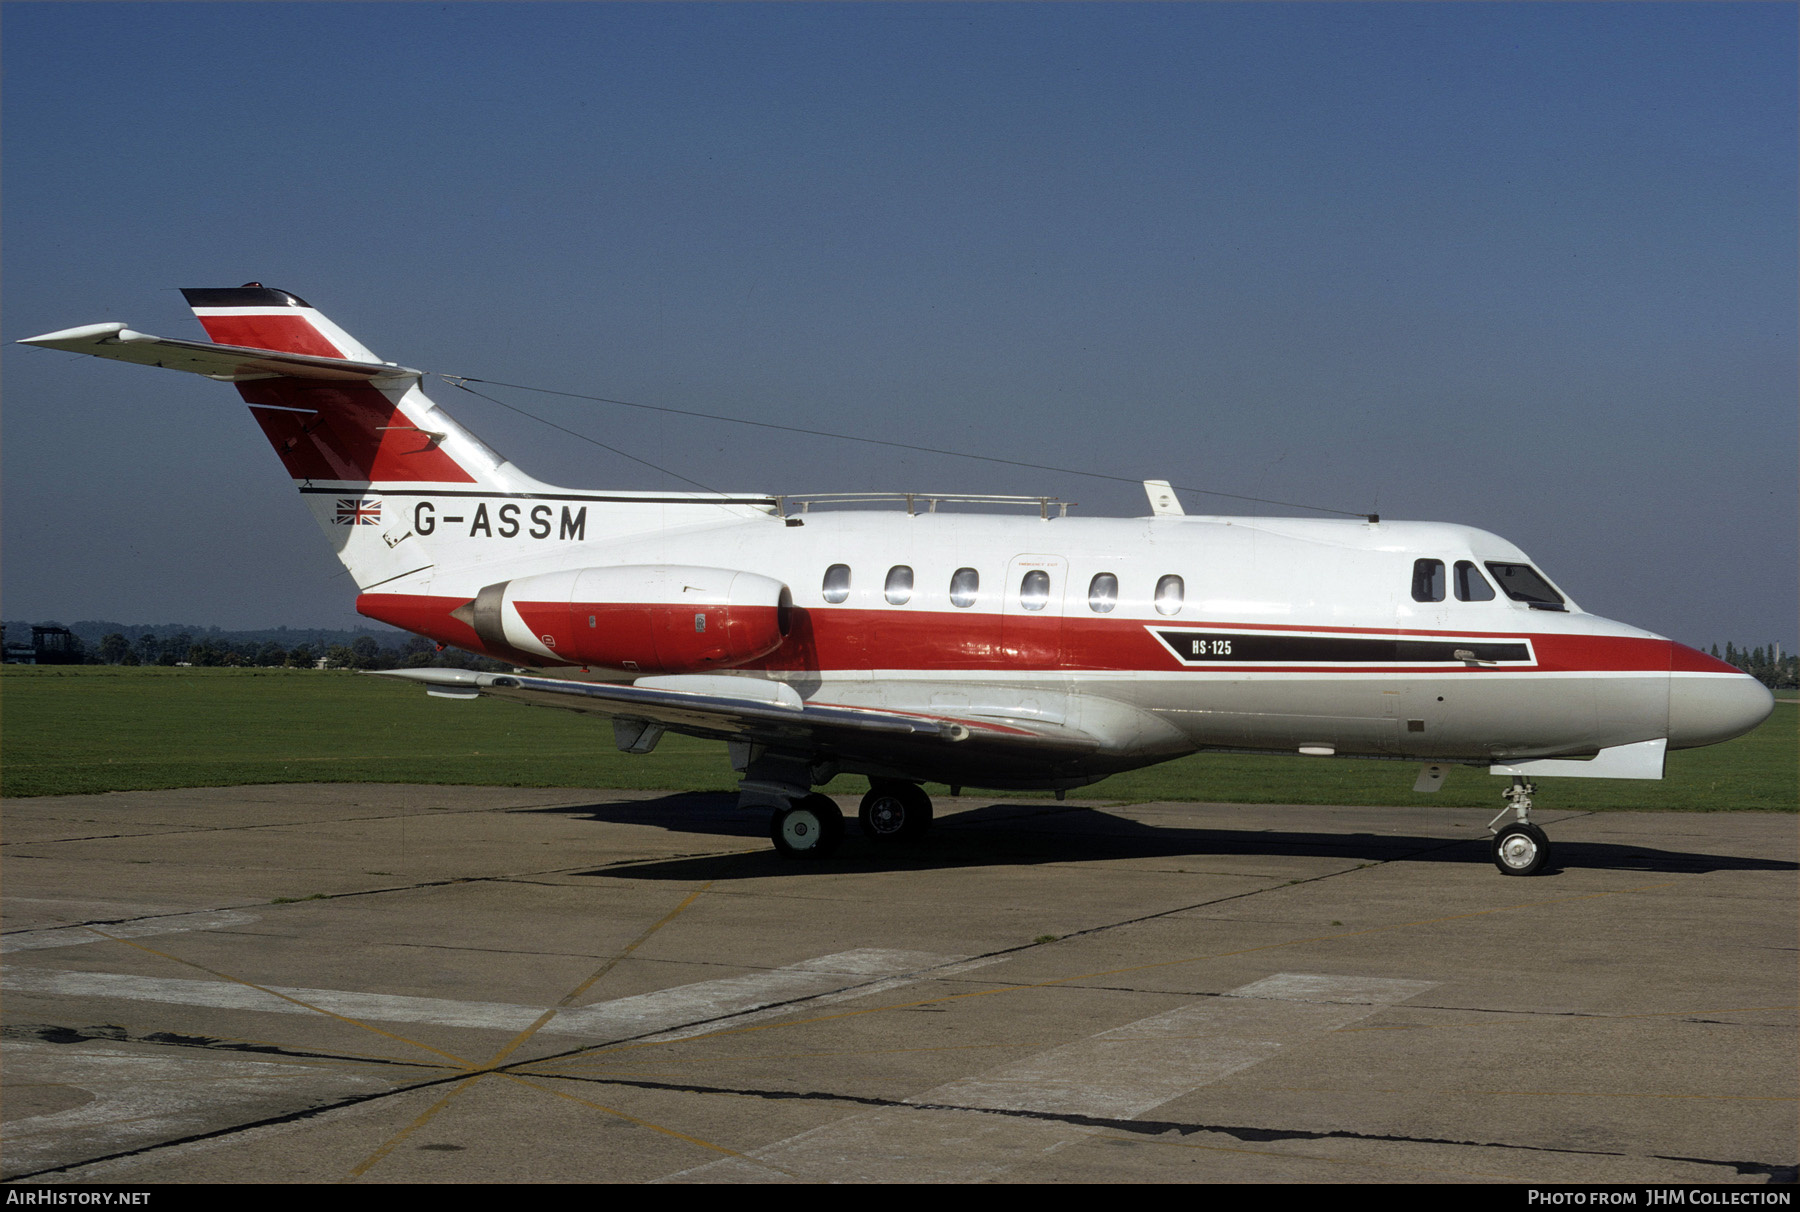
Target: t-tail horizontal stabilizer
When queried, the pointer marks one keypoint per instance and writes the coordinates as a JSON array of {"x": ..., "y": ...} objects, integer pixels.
[{"x": 227, "y": 363}]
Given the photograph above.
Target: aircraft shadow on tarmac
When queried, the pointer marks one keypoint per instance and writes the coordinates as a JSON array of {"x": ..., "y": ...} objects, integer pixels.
[{"x": 1026, "y": 833}]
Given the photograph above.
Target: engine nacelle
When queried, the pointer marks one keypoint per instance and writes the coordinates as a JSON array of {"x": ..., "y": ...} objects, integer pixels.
[{"x": 640, "y": 618}]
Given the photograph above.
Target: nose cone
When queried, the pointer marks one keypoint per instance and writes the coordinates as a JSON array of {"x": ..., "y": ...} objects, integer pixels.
[{"x": 1710, "y": 701}]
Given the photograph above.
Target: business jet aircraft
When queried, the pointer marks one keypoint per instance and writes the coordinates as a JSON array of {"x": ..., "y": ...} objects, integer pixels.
[{"x": 1018, "y": 652}]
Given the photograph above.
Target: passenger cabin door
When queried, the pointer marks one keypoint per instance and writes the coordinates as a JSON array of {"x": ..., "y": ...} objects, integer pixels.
[{"x": 1031, "y": 613}]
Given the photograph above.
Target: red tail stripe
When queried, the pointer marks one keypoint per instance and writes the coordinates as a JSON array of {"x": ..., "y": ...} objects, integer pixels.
[
  {"x": 350, "y": 431},
  {"x": 288, "y": 333}
]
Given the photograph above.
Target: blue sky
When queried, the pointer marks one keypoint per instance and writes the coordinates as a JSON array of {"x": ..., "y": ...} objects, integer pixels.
[{"x": 1526, "y": 267}]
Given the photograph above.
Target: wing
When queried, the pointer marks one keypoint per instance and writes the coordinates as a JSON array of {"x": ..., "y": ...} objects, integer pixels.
[{"x": 1011, "y": 738}]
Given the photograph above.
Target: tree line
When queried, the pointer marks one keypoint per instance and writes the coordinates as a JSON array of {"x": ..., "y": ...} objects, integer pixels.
[
  {"x": 364, "y": 652},
  {"x": 1767, "y": 665}
]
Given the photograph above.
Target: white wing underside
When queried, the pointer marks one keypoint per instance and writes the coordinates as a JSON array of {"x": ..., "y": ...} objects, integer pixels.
[{"x": 1023, "y": 726}]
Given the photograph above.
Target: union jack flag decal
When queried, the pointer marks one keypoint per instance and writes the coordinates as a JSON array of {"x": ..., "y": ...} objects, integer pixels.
[{"x": 359, "y": 511}]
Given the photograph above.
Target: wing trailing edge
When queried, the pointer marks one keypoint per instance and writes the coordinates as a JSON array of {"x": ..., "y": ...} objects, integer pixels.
[{"x": 723, "y": 708}]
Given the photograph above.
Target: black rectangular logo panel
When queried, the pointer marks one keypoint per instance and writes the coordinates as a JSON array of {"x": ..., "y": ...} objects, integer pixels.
[{"x": 1256, "y": 648}]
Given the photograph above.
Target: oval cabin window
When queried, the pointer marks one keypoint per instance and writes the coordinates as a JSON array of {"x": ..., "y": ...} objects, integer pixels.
[
  {"x": 1169, "y": 591},
  {"x": 837, "y": 583},
  {"x": 899, "y": 585},
  {"x": 965, "y": 587},
  {"x": 1034, "y": 590},
  {"x": 1103, "y": 593}
]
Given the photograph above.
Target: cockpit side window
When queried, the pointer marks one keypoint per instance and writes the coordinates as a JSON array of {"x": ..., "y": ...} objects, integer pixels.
[
  {"x": 1428, "y": 581},
  {"x": 1471, "y": 586},
  {"x": 1523, "y": 583}
]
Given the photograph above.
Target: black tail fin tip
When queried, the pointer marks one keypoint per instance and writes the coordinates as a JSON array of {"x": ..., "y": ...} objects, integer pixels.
[{"x": 250, "y": 294}]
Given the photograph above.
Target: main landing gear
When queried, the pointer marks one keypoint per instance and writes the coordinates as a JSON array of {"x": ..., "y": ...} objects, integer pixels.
[
  {"x": 894, "y": 811},
  {"x": 1520, "y": 848},
  {"x": 812, "y": 826}
]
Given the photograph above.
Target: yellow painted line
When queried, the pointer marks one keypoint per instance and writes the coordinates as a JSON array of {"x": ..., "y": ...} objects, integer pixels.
[
  {"x": 458, "y": 1061},
  {"x": 519, "y": 1040},
  {"x": 393, "y": 1142}
]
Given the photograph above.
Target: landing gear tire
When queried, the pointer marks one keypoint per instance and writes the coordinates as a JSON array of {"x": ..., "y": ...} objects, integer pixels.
[
  {"x": 895, "y": 812},
  {"x": 1521, "y": 849},
  {"x": 809, "y": 828}
]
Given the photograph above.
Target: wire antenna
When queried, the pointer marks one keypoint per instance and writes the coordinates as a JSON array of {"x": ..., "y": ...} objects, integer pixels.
[{"x": 462, "y": 381}]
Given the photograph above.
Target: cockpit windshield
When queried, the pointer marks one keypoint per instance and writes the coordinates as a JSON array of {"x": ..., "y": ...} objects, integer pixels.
[{"x": 1523, "y": 583}]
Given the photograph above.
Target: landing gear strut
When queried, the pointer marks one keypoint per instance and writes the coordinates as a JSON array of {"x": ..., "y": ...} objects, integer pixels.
[
  {"x": 808, "y": 828},
  {"x": 895, "y": 811},
  {"x": 1520, "y": 848}
]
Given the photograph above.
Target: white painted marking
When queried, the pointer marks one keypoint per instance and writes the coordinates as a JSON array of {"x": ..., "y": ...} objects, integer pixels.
[
  {"x": 1117, "y": 1074},
  {"x": 1374, "y": 991},
  {"x": 1123, "y": 1073},
  {"x": 75, "y": 936},
  {"x": 867, "y": 970},
  {"x": 225, "y": 995},
  {"x": 736, "y": 995}
]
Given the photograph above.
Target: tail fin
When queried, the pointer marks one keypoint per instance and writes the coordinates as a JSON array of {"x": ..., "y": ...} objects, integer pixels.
[
  {"x": 374, "y": 433},
  {"x": 357, "y": 451}
]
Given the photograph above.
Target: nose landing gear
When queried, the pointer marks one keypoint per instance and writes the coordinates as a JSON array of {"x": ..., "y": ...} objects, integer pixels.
[{"x": 1520, "y": 848}]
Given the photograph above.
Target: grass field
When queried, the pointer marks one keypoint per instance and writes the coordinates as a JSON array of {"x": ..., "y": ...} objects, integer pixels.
[{"x": 77, "y": 729}]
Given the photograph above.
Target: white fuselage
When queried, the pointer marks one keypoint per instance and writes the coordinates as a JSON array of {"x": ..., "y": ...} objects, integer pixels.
[{"x": 1284, "y": 634}]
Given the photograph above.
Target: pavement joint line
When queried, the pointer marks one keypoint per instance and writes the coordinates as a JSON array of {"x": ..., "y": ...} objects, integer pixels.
[
  {"x": 460, "y": 1062},
  {"x": 1193, "y": 959},
  {"x": 1311, "y": 1157},
  {"x": 1537, "y": 1014},
  {"x": 266, "y": 1050},
  {"x": 1753, "y": 1098},
  {"x": 522, "y": 877}
]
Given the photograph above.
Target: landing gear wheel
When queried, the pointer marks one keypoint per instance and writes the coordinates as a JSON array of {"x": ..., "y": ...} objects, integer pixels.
[
  {"x": 809, "y": 828},
  {"x": 895, "y": 812},
  {"x": 1521, "y": 849}
]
